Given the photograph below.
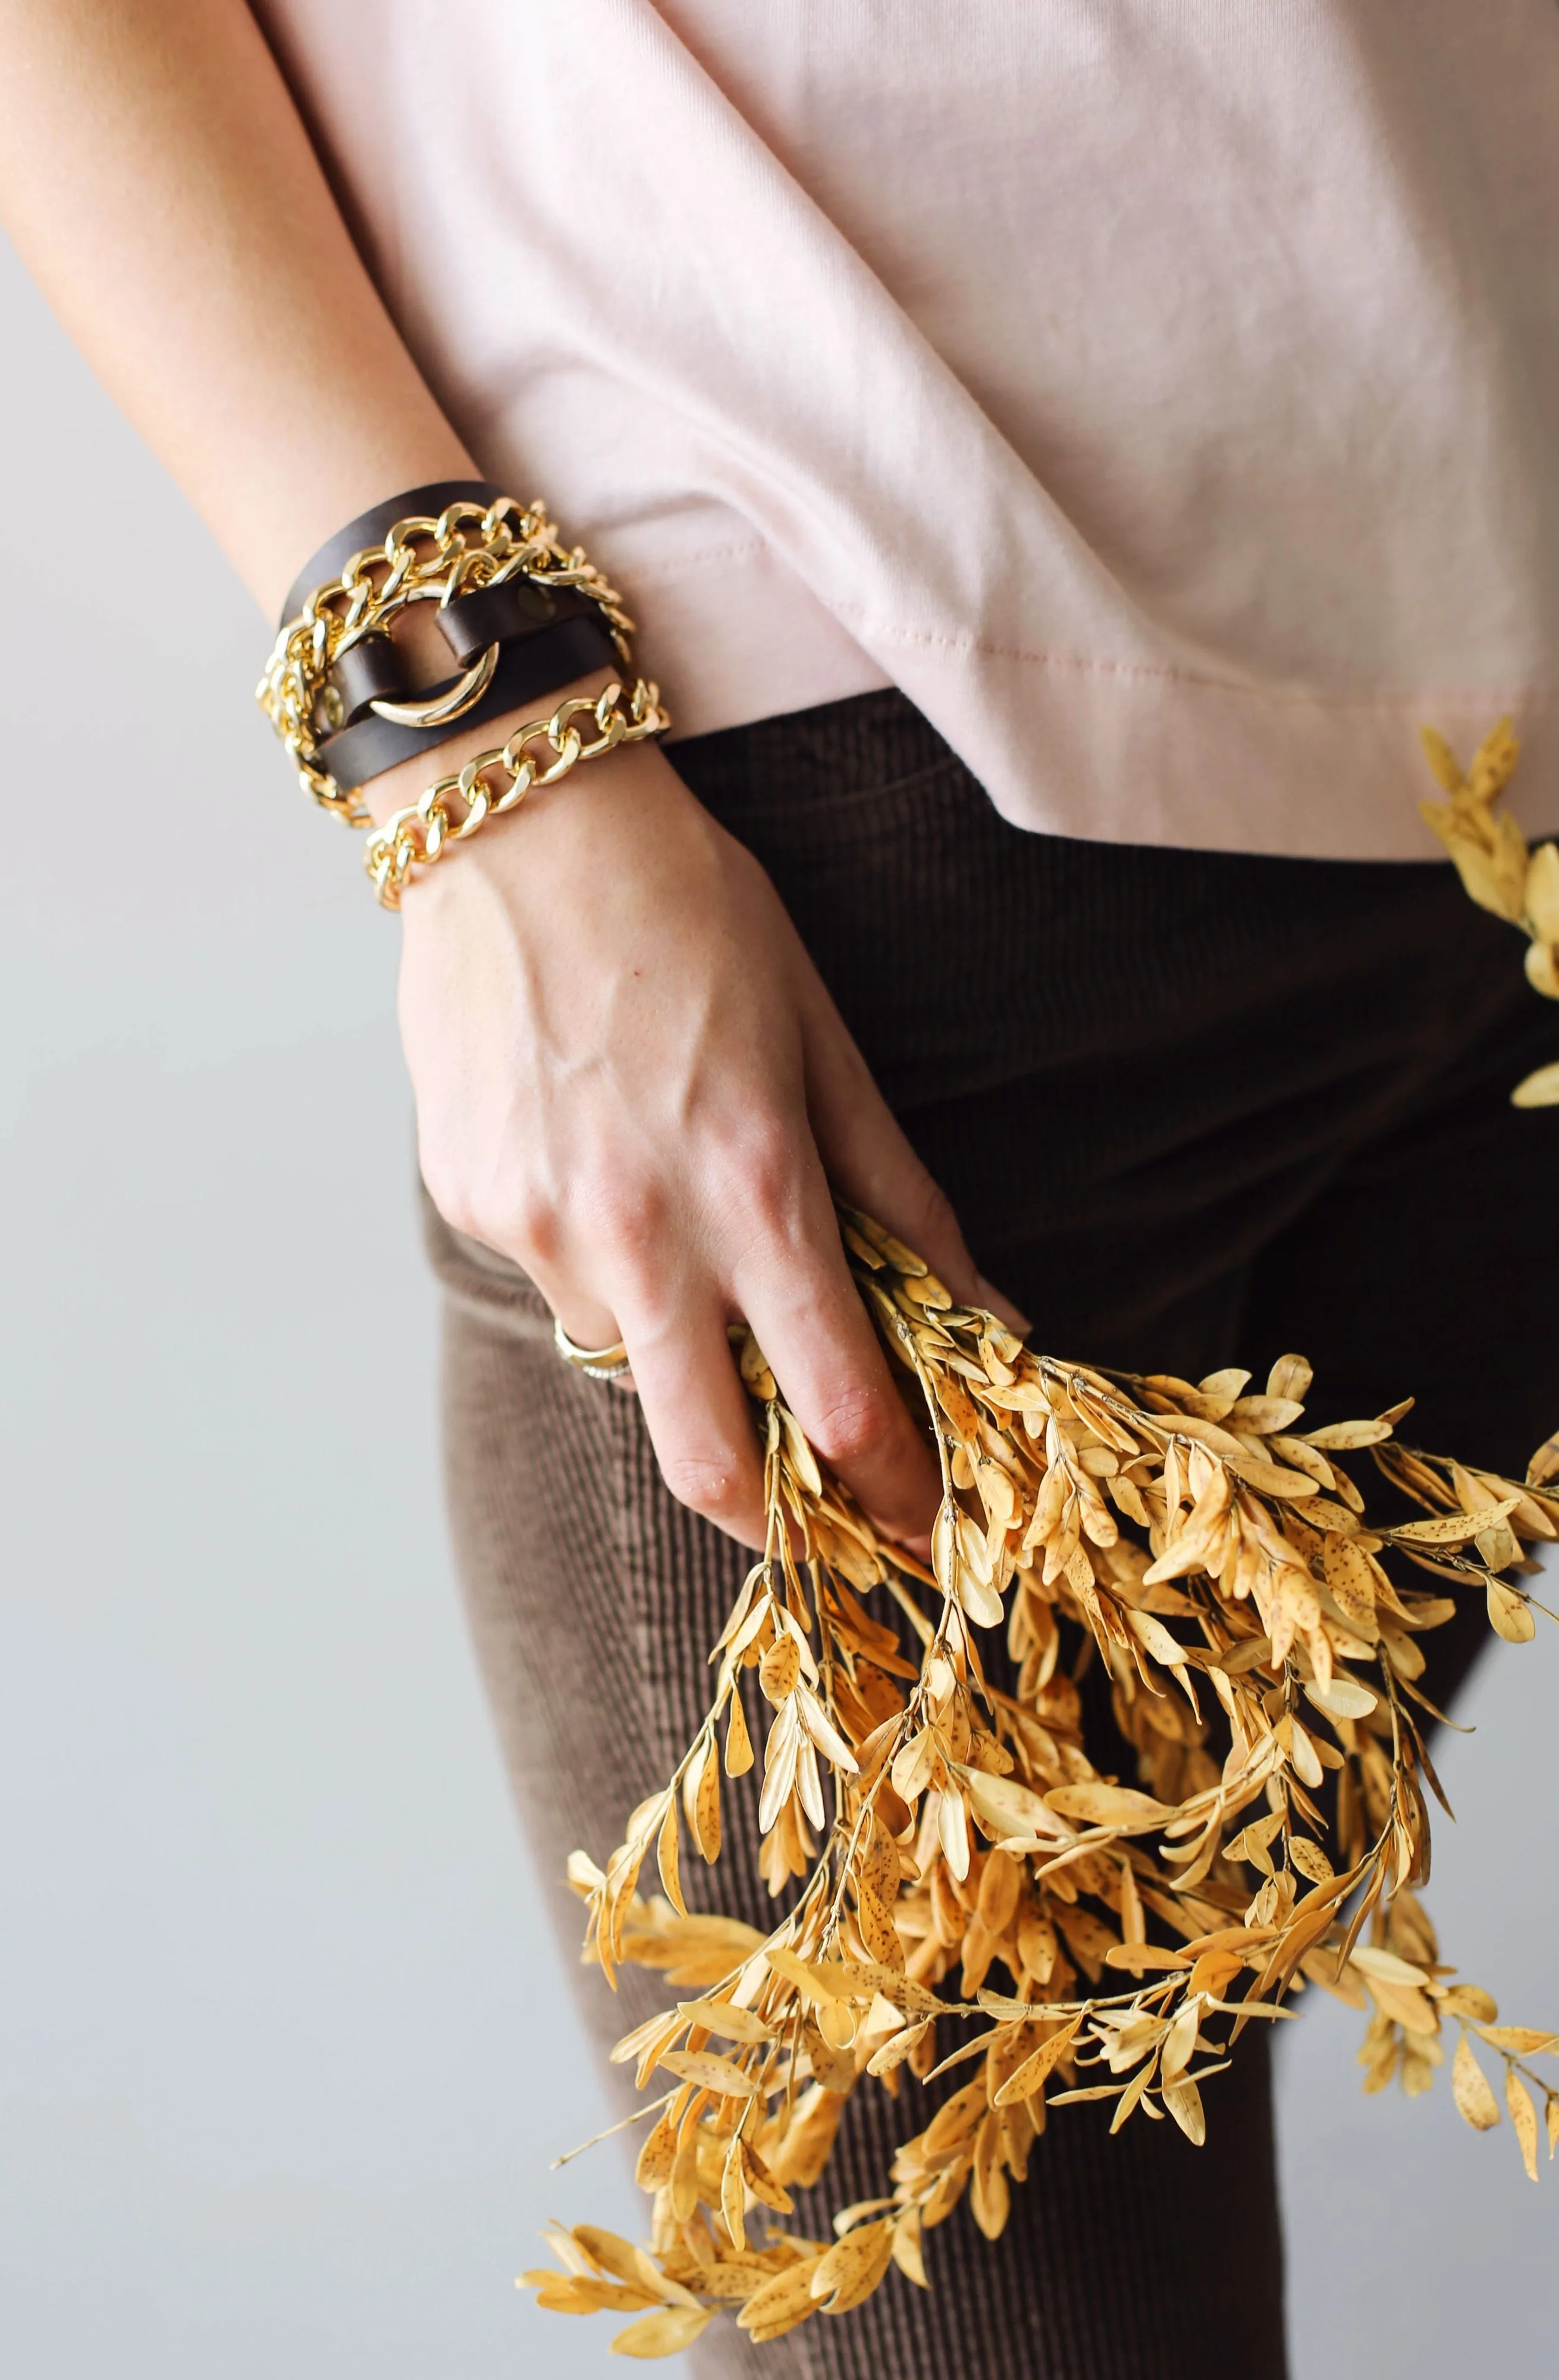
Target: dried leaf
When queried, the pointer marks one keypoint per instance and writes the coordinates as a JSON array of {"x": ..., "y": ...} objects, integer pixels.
[
  {"x": 803, "y": 1462},
  {"x": 1476, "y": 2103},
  {"x": 706, "y": 1808},
  {"x": 853, "y": 2268},
  {"x": 897, "y": 2048},
  {"x": 907, "y": 2252},
  {"x": 1523, "y": 2040},
  {"x": 658, "y": 2151},
  {"x": 1291, "y": 1377},
  {"x": 1184, "y": 2103},
  {"x": 1008, "y": 1808},
  {"x": 1451, "y": 1528},
  {"x": 665, "y": 1855},
  {"x": 1030, "y": 2077},
  {"x": 1351, "y": 1582},
  {"x": 1442, "y": 760},
  {"x": 613, "y": 2254},
  {"x": 666, "y": 2333},
  {"x": 579, "y": 2293},
  {"x": 738, "y": 1743},
  {"x": 1541, "y": 892},
  {"x": 1307, "y": 1764},
  {"x": 1311, "y": 1860},
  {"x": 780, "y": 1668},
  {"x": 1524, "y": 2118},
  {"x": 952, "y": 1833},
  {"x": 1467, "y": 1999},
  {"x": 1262, "y": 1416},
  {"x": 1109, "y": 1806},
  {"x": 1342, "y": 1436},
  {"x": 1345, "y": 1697},
  {"x": 711, "y": 2072},
  {"x": 1510, "y": 1615},
  {"x": 875, "y": 1921},
  {"x": 781, "y": 2303},
  {"x": 1538, "y": 1089},
  {"x": 724, "y": 2017},
  {"x": 822, "y": 1980}
]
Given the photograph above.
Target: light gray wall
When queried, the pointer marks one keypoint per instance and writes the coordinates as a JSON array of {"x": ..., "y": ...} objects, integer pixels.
[
  {"x": 1417, "y": 2247},
  {"x": 283, "y": 2053}
]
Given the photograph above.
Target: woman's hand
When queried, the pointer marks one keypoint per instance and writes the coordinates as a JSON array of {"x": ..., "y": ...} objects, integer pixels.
[
  {"x": 628, "y": 1075},
  {"x": 631, "y": 1080}
]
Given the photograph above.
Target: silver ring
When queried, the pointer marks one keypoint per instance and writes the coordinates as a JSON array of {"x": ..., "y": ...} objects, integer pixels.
[{"x": 595, "y": 1363}]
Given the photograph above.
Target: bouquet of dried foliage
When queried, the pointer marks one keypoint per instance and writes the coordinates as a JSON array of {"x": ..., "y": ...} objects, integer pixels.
[
  {"x": 1498, "y": 870},
  {"x": 974, "y": 1893}
]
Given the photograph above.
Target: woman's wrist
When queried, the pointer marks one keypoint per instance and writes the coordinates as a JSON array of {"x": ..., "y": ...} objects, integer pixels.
[
  {"x": 580, "y": 729},
  {"x": 489, "y": 582}
]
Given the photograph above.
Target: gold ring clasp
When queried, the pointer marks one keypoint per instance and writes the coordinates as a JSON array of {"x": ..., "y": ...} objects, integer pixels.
[{"x": 467, "y": 689}]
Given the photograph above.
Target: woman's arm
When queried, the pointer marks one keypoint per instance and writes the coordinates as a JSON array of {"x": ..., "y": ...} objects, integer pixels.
[
  {"x": 158, "y": 182},
  {"x": 629, "y": 1076}
]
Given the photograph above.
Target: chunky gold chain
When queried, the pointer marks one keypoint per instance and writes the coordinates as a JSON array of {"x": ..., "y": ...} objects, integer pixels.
[
  {"x": 421, "y": 834},
  {"x": 423, "y": 559}
]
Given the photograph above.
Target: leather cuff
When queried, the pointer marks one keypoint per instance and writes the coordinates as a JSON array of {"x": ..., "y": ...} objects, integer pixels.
[
  {"x": 373, "y": 527},
  {"x": 370, "y": 671},
  {"x": 535, "y": 663}
]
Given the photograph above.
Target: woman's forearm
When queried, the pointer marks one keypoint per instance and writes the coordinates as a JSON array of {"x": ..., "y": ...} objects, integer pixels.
[
  {"x": 629, "y": 1077},
  {"x": 158, "y": 181}
]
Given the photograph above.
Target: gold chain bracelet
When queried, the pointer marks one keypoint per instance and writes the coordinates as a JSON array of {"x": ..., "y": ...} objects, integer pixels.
[
  {"x": 422, "y": 559},
  {"x": 421, "y": 834}
]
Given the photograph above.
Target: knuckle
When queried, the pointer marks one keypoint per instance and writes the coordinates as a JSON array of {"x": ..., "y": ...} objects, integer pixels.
[
  {"x": 624, "y": 1215},
  {"x": 449, "y": 1189},
  {"x": 516, "y": 1218},
  {"x": 932, "y": 1223},
  {"x": 710, "y": 1484},
  {"x": 857, "y": 1425},
  {"x": 532, "y": 1226},
  {"x": 764, "y": 1175}
]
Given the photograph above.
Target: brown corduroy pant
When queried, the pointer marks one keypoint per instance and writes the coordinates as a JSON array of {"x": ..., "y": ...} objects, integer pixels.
[{"x": 1193, "y": 1110}]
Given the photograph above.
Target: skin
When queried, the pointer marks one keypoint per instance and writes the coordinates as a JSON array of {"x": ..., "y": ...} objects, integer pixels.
[{"x": 629, "y": 1076}]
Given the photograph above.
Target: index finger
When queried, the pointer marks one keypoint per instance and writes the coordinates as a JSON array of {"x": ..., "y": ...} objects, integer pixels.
[{"x": 809, "y": 1318}]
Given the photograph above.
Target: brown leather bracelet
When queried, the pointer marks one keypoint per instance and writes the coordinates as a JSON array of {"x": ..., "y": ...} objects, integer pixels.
[
  {"x": 532, "y": 664},
  {"x": 520, "y": 614},
  {"x": 371, "y": 671},
  {"x": 546, "y": 636},
  {"x": 373, "y": 527}
]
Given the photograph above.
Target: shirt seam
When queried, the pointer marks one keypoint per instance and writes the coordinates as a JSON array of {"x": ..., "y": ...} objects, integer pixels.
[
  {"x": 859, "y": 623},
  {"x": 1166, "y": 672}
]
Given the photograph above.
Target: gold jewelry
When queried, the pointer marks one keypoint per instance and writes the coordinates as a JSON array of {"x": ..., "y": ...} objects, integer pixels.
[
  {"x": 423, "y": 559},
  {"x": 421, "y": 834},
  {"x": 438, "y": 711},
  {"x": 595, "y": 1363}
]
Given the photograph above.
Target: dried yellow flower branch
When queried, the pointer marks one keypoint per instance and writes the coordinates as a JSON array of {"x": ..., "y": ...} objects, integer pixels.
[
  {"x": 1215, "y": 1555},
  {"x": 1498, "y": 870},
  {"x": 1218, "y": 1559}
]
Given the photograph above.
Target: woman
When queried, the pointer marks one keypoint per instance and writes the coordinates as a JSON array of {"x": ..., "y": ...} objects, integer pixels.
[{"x": 1057, "y": 459}]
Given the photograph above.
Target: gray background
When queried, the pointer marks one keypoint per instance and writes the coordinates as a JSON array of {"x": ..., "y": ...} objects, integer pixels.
[{"x": 283, "y": 2050}]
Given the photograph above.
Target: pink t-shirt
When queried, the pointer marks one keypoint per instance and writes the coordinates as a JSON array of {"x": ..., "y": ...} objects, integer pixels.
[{"x": 1164, "y": 393}]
